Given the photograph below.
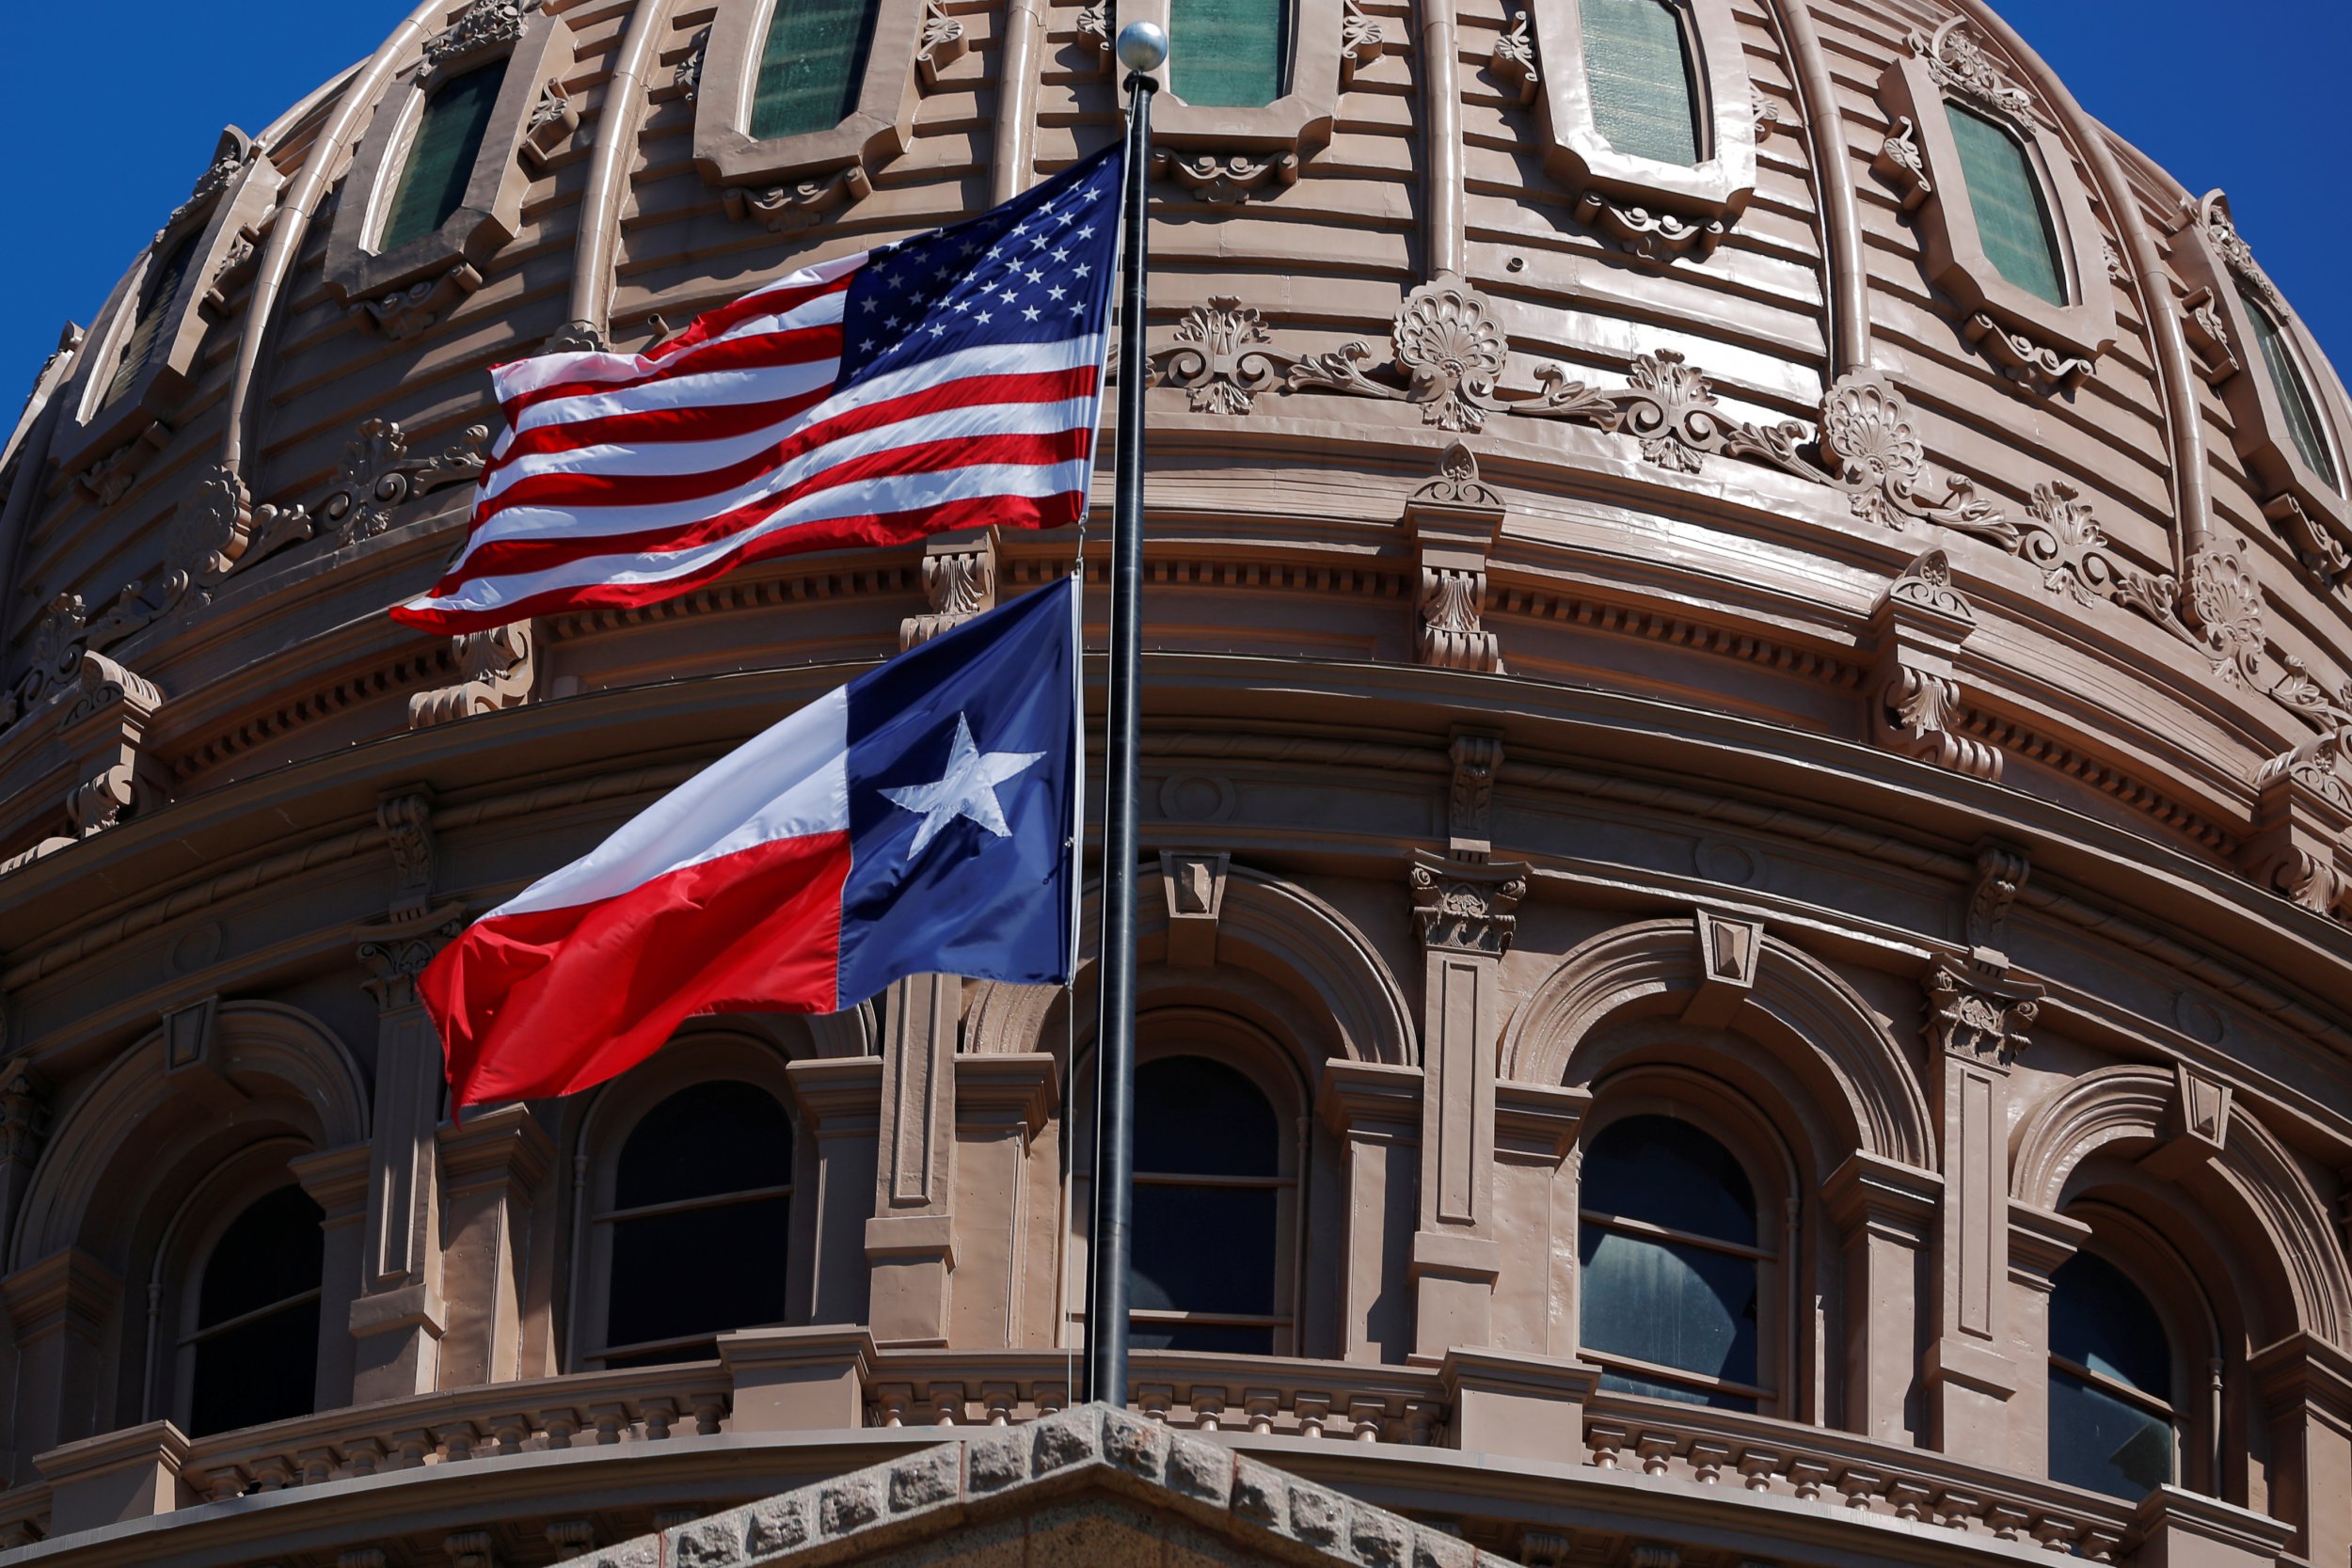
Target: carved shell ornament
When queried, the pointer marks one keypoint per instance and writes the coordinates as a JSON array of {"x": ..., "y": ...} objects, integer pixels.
[{"x": 1447, "y": 340}]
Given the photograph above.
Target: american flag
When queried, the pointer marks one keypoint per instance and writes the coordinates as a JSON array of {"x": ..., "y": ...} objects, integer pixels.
[{"x": 948, "y": 381}]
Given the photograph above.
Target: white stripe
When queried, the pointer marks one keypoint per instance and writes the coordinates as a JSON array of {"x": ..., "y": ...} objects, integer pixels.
[
  {"x": 896, "y": 494},
  {"x": 560, "y": 520},
  {"x": 788, "y": 782}
]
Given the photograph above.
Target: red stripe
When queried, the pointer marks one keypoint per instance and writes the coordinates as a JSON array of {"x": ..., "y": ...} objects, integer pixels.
[
  {"x": 881, "y": 530},
  {"x": 722, "y": 319},
  {"x": 646, "y": 426},
  {"x": 512, "y": 556},
  {"x": 801, "y": 345},
  {"x": 554, "y": 1001},
  {"x": 573, "y": 490}
]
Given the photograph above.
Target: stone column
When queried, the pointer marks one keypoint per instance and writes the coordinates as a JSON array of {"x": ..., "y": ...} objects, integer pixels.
[
  {"x": 1464, "y": 910},
  {"x": 1373, "y": 1110},
  {"x": 910, "y": 1235},
  {"x": 489, "y": 1169},
  {"x": 840, "y": 1104},
  {"x": 2305, "y": 1392},
  {"x": 1884, "y": 1212},
  {"x": 58, "y": 1309},
  {"x": 1002, "y": 1103},
  {"x": 337, "y": 1181}
]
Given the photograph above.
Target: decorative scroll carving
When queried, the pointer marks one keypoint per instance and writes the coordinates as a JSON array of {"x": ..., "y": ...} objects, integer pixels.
[
  {"x": 687, "y": 78},
  {"x": 378, "y": 477},
  {"x": 1770, "y": 113},
  {"x": 1918, "y": 626},
  {"x": 943, "y": 42},
  {"x": 110, "y": 477},
  {"x": 498, "y": 667},
  {"x": 234, "y": 268},
  {"x": 2113, "y": 259},
  {"x": 958, "y": 582},
  {"x": 234, "y": 151},
  {"x": 1454, "y": 518},
  {"x": 2020, "y": 358},
  {"x": 24, "y": 1113},
  {"x": 2001, "y": 872},
  {"x": 1654, "y": 236},
  {"x": 1361, "y": 40},
  {"x": 2318, "y": 765},
  {"x": 577, "y": 337},
  {"x": 1447, "y": 343},
  {"x": 2302, "y": 815},
  {"x": 1095, "y": 21},
  {"x": 2208, "y": 335},
  {"x": 786, "y": 207},
  {"x": 485, "y": 25},
  {"x": 58, "y": 637},
  {"x": 1978, "y": 1014},
  {"x": 1465, "y": 906},
  {"x": 1469, "y": 801},
  {"x": 1514, "y": 58},
  {"x": 2221, "y": 603},
  {"x": 553, "y": 117},
  {"x": 1958, "y": 63},
  {"x": 405, "y": 312},
  {"x": 1458, "y": 484},
  {"x": 1900, "y": 165},
  {"x": 104, "y": 722},
  {"x": 1453, "y": 602},
  {"x": 2320, "y": 553},
  {"x": 1219, "y": 357},
  {"x": 1226, "y": 180},
  {"x": 2227, "y": 243},
  {"x": 1922, "y": 717}
]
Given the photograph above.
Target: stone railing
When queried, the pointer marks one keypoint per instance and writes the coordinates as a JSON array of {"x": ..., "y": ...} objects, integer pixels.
[{"x": 1840, "y": 1469}]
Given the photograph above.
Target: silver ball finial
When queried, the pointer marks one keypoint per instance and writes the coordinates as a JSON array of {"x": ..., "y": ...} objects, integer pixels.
[{"x": 1142, "y": 45}]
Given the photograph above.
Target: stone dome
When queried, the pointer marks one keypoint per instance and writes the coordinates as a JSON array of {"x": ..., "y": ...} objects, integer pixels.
[{"x": 1834, "y": 636}]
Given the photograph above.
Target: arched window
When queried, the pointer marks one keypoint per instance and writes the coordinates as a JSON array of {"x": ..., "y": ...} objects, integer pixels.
[
  {"x": 1672, "y": 1287},
  {"x": 811, "y": 66},
  {"x": 1229, "y": 53},
  {"x": 256, "y": 1338},
  {"x": 157, "y": 293},
  {"x": 440, "y": 160},
  {"x": 2294, "y": 391},
  {"x": 696, "y": 1224},
  {"x": 2012, "y": 216},
  {"x": 1206, "y": 1271},
  {"x": 2112, "y": 1422},
  {"x": 1638, "y": 61}
]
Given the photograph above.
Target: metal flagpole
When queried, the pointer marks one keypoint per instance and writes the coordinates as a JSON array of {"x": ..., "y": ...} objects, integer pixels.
[{"x": 1141, "y": 47}]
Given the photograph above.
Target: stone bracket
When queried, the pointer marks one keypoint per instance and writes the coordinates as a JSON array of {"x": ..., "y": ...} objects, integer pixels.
[
  {"x": 1453, "y": 520},
  {"x": 1916, "y": 628},
  {"x": 498, "y": 667},
  {"x": 190, "y": 1061},
  {"x": 958, "y": 582},
  {"x": 1728, "y": 952}
]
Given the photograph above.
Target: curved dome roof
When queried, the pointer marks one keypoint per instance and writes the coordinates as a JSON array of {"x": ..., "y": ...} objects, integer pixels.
[{"x": 1916, "y": 411}]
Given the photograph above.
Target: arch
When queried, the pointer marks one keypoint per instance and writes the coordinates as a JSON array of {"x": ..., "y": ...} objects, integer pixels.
[
  {"x": 1793, "y": 1003},
  {"x": 294, "y": 1073},
  {"x": 1267, "y": 927},
  {"x": 2130, "y": 1110}
]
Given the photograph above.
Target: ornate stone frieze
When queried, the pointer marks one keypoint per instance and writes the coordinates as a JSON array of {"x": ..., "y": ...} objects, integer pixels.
[
  {"x": 1899, "y": 164},
  {"x": 1465, "y": 906},
  {"x": 785, "y": 208},
  {"x": 59, "y": 639},
  {"x": 1221, "y": 357},
  {"x": 552, "y": 118},
  {"x": 941, "y": 43},
  {"x": 486, "y": 25},
  {"x": 958, "y": 582},
  {"x": 1096, "y": 23},
  {"x": 1450, "y": 350},
  {"x": 1471, "y": 798},
  {"x": 2222, "y": 604},
  {"x": 498, "y": 667},
  {"x": 1226, "y": 179},
  {"x": 1454, "y": 519},
  {"x": 405, "y": 312},
  {"x": 1918, "y": 626},
  {"x": 1957, "y": 63},
  {"x": 378, "y": 477},
  {"x": 1514, "y": 58}
]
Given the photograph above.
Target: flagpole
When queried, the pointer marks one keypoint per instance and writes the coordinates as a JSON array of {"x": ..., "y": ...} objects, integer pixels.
[{"x": 1141, "y": 47}]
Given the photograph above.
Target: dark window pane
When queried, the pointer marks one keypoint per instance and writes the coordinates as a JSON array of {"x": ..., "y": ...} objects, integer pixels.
[
  {"x": 1203, "y": 1249},
  {"x": 700, "y": 1271},
  {"x": 158, "y": 292},
  {"x": 1228, "y": 53},
  {"x": 272, "y": 1251},
  {"x": 442, "y": 158},
  {"x": 2294, "y": 392},
  {"x": 1223, "y": 1339},
  {"x": 712, "y": 1138},
  {"x": 2012, "y": 218},
  {"x": 2100, "y": 1319},
  {"x": 1666, "y": 1172},
  {"x": 1637, "y": 57},
  {"x": 811, "y": 65},
  {"x": 262, "y": 1370},
  {"x": 2100, "y": 1441},
  {"x": 1669, "y": 1304},
  {"x": 1199, "y": 1118},
  {"x": 1715, "y": 1399}
]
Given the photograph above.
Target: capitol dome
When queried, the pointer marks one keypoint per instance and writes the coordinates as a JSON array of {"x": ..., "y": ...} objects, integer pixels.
[{"x": 1744, "y": 801}]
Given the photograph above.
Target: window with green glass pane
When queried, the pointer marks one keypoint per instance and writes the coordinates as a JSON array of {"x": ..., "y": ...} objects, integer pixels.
[
  {"x": 440, "y": 160},
  {"x": 1645, "y": 99},
  {"x": 156, "y": 294},
  {"x": 2295, "y": 393},
  {"x": 811, "y": 65},
  {"x": 1229, "y": 53},
  {"x": 2012, "y": 217}
]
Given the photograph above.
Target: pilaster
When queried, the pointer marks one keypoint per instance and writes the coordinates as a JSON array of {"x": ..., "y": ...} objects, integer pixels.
[
  {"x": 337, "y": 1181},
  {"x": 1374, "y": 1109},
  {"x": 59, "y": 1308},
  {"x": 909, "y": 1236},
  {"x": 1885, "y": 1213},
  {"x": 840, "y": 1104},
  {"x": 1003, "y": 1103},
  {"x": 2304, "y": 1386},
  {"x": 2040, "y": 1242},
  {"x": 491, "y": 1167}
]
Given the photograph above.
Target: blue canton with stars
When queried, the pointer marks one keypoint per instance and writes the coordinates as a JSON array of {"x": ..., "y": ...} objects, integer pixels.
[{"x": 1037, "y": 270}]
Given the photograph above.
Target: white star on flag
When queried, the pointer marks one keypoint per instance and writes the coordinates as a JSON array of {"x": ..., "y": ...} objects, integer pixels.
[{"x": 967, "y": 789}]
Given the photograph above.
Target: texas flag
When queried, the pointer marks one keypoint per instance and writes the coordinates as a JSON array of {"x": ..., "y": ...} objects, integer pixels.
[{"x": 920, "y": 818}]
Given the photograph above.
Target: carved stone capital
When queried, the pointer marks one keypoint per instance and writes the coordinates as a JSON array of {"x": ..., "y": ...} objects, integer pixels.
[
  {"x": 1979, "y": 1013},
  {"x": 408, "y": 824},
  {"x": 1465, "y": 906},
  {"x": 397, "y": 951}
]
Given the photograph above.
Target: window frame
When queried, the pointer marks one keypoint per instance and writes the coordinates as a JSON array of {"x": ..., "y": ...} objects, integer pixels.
[
  {"x": 232, "y": 201},
  {"x": 408, "y": 288},
  {"x": 2127, "y": 1242},
  {"x": 1763, "y": 1157},
  {"x": 1621, "y": 194},
  {"x": 620, "y": 1106},
  {"x": 879, "y": 127},
  {"x": 1279, "y": 134},
  {"x": 2034, "y": 342},
  {"x": 2213, "y": 259}
]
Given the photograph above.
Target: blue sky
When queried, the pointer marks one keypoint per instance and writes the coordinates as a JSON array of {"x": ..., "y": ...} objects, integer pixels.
[{"x": 2253, "y": 103}]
